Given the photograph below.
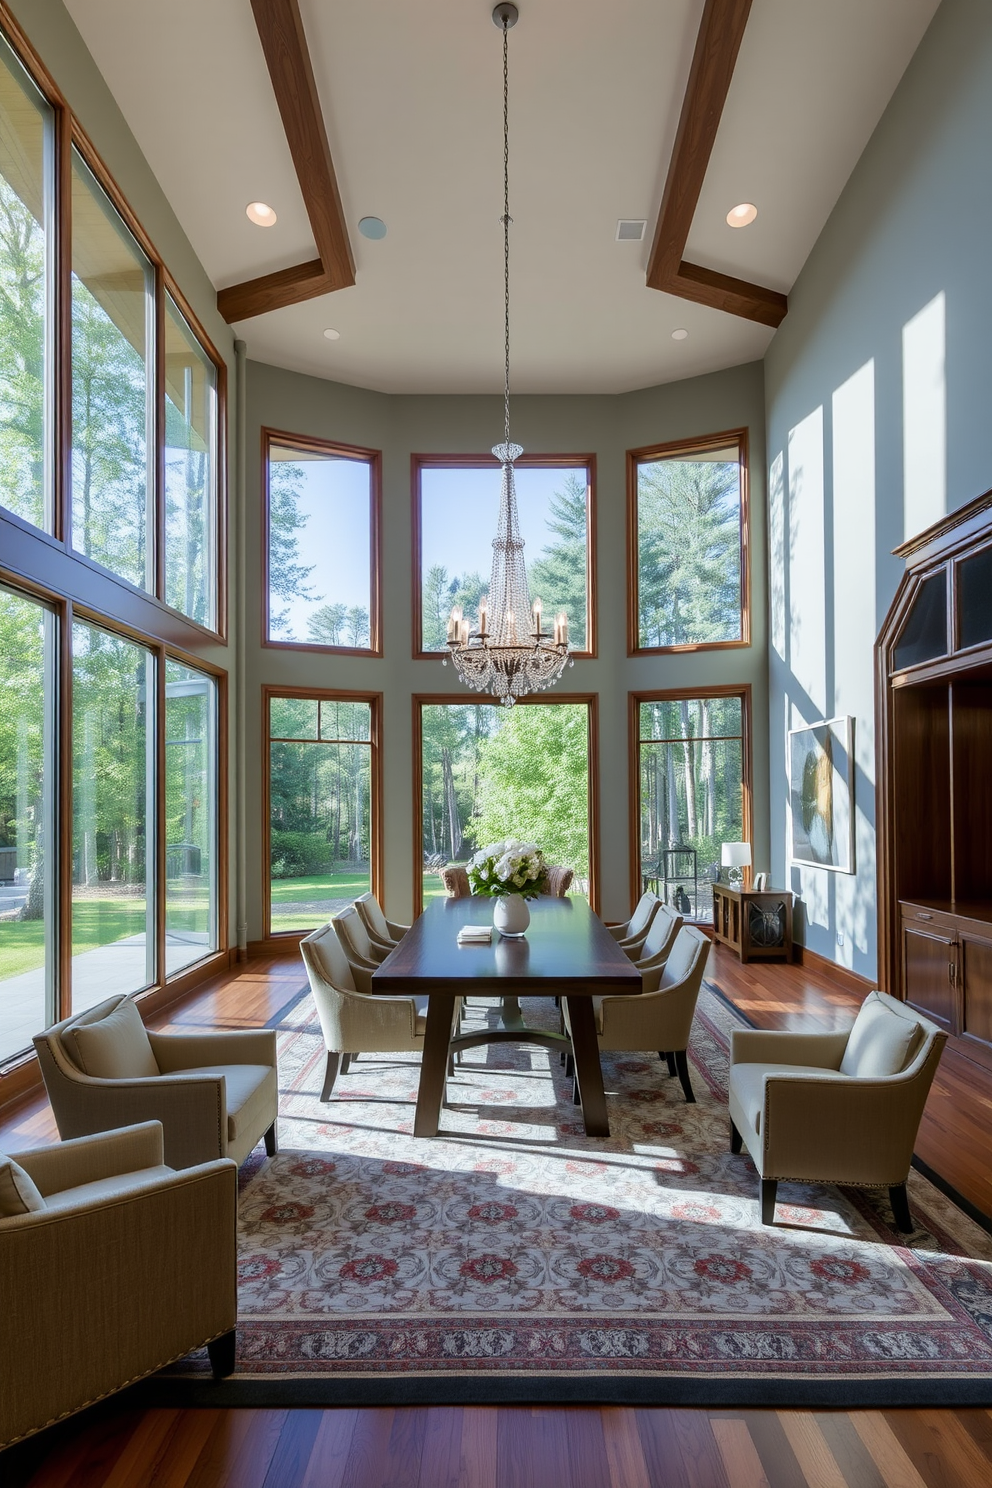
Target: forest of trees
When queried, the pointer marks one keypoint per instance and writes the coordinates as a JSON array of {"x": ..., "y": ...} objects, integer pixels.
[
  {"x": 491, "y": 772},
  {"x": 689, "y": 551},
  {"x": 557, "y": 574},
  {"x": 319, "y": 786}
]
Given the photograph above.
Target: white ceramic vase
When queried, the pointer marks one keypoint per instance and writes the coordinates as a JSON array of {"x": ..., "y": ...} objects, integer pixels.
[{"x": 511, "y": 915}]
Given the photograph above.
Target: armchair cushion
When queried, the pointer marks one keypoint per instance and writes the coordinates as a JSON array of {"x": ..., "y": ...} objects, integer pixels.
[
  {"x": 115, "y": 1048},
  {"x": 252, "y": 1093},
  {"x": 880, "y": 1043},
  {"x": 18, "y": 1191},
  {"x": 748, "y": 1085}
]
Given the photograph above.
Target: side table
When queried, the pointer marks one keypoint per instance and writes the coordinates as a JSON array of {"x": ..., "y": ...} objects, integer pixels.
[{"x": 757, "y": 925}]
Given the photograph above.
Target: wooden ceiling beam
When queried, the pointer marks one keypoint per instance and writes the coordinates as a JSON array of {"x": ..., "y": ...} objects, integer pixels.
[
  {"x": 284, "y": 43},
  {"x": 718, "y": 43}
]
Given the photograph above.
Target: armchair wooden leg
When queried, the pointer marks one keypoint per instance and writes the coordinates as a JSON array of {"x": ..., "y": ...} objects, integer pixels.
[
  {"x": 670, "y": 1061},
  {"x": 736, "y": 1140},
  {"x": 768, "y": 1188},
  {"x": 330, "y": 1074},
  {"x": 222, "y": 1352},
  {"x": 682, "y": 1066},
  {"x": 271, "y": 1141},
  {"x": 346, "y": 1062},
  {"x": 576, "y": 1097},
  {"x": 899, "y": 1199},
  {"x": 569, "y": 1064}
]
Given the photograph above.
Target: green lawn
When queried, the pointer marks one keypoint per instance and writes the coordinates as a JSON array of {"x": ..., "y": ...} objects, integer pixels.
[
  {"x": 95, "y": 922},
  {"x": 315, "y": 888}
]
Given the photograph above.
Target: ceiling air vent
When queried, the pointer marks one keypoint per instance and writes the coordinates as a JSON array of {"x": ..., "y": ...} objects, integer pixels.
[{"x": 629, "y": 231}]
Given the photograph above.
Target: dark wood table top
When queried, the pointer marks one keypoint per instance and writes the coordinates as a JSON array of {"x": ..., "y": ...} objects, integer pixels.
[{"x": 567, "y": 949}]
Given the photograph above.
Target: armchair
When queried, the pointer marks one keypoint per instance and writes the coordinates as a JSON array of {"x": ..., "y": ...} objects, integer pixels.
[
  {"x": 216, "y": 1094},
  {"x": 381, "y": 932},
  {"x": 363, "y": 956},
  {"x": 632, "y": 932},
  {"x": 835, "y": 1107},
  {"x": 119, "y": 1266},
  {"x": 654, "y": 949}
]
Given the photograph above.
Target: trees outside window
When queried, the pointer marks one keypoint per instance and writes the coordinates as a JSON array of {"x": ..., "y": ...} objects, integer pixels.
[
  {"x": 322, "y": 544},
  {"x": 322, "y": 773},
  {"x": 688, "y": 531},
  {"x": 190, "y": 472},
  {"x": 456, "y": 508},
  {"x": 190, "y": 815},
  {"x": 488, "y": 773},
  {"x": 693, "y": 790}
]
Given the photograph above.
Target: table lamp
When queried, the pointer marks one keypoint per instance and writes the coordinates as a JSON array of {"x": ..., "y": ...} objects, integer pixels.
[{"x": 736, "y": 856}]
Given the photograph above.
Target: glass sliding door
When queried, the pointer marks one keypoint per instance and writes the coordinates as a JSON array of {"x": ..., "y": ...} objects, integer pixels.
[
  {"x": 190, "y": 816},
  {"x": 320, "y": 808},
  {"x": 113, "y": 784},
  {"x": 27, "y": 798},
  {"x": 26, "y": 283}
]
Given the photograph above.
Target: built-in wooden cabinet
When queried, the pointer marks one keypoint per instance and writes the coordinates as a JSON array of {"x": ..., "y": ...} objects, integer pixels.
[{"x": 934, "y": 787}]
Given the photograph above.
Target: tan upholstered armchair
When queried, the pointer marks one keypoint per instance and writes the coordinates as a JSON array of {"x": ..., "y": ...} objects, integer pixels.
[
  {"x": 631, "y": 934},
  {"x": 835, "y": 1107},
  {"x": 382, "y": 932},
  {"x": 363, "y": 955},
  {"x": 353, "y": 1022},
  {"x": 455, "y": 880},
  {"x": 111, "y": 1265},
  {"x": 655, "y": 948},
  {"x": 216, "y": 1094}
]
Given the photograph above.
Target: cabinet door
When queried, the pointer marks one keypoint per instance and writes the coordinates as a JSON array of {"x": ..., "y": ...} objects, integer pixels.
[
  {"x": 976, "y": 987},
  {"x": 929, "y": 964}
]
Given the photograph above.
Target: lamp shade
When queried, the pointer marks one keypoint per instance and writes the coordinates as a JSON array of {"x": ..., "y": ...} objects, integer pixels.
[{"x": 735, "y": 855}]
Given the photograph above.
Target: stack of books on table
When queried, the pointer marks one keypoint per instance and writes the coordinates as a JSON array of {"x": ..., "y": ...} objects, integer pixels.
[{"x": 475, "y": 935}]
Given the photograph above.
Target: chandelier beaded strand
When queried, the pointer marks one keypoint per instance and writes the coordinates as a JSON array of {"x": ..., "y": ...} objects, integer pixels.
[{"x": 502, "y": 656}]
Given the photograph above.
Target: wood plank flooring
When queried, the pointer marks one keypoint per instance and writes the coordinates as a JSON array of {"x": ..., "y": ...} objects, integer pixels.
[{"x": 541, "y": 1447}]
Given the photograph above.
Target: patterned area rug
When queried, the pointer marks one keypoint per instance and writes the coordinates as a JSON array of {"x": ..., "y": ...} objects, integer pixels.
[{"x": 514, "y": 1258}]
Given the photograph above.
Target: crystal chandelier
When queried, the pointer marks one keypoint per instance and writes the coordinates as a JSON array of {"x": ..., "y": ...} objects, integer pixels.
[{"x": 510, "y": 653}]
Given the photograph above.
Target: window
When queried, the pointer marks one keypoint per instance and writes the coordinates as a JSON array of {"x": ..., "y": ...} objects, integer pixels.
[
  {"x": 113, "y": 355},
  {"x": 113, "y": 810},
  {"x": 322, "y": 544},
  {"x": 26, "y": 285},
  {"x": 323, "y": 805},
  {"x": 456, "y": 505},
  {"x": 190, "y": 472},
  {"x": 190, "y": 815},
  {"x": 692, "y": 791},
  {"x": 486, "y": 772},
  {"x": 688, "y": 533},
  {"x": 27, "y": 796}
]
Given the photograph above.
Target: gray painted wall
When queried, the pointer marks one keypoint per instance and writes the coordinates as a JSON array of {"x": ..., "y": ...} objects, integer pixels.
[
  {"x": 399, "y": 426},
  {"x": 877, "y": 388}
]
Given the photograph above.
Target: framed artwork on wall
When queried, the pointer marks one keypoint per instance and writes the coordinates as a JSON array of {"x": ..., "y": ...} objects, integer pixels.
[{"x": 821, "y": 810}]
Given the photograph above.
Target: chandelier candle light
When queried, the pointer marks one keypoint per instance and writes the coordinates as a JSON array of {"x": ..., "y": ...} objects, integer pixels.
[{"x": 510, "y": 653}]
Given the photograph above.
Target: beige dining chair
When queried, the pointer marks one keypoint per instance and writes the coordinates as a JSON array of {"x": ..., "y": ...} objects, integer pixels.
[
  {"x": 381, "y": 931},
  {"x": 363, "y": 956},
  {"x": 455, "y": 880},
  {"x": 654, "y": 949},
  {"x": 632, "y": 933},
  {"x": 558, "y": 880}
]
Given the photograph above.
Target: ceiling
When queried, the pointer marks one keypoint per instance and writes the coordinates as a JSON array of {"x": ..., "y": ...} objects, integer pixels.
[{"x": 411, "y": 98}]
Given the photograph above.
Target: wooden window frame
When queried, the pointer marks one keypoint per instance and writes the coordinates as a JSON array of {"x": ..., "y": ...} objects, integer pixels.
[
  {"x": 740, "y": 690},
  {"x": 279, "y": 940},
  {"x": 420, "y": 463},
  {"x": 703, "y": 444},
  {"x": 69, "y": 135},
  {"x": 447, "y": 699},
  {"x": 373, "y": 458}
]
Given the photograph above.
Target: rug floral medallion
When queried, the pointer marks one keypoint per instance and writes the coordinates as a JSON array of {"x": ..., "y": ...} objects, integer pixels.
[{"x": 512, "y": 1245}]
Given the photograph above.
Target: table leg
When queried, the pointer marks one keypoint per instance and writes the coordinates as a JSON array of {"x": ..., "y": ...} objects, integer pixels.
[
  {"x": 588, "y": 1071},
  {"x": 434, "y": 1064}
]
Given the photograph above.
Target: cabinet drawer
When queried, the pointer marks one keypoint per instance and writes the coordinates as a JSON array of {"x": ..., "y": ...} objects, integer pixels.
[{"x": 938, "y": 920}]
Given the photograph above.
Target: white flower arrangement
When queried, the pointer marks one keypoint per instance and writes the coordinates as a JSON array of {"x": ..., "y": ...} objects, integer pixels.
[{"x": 510, "y": 867}]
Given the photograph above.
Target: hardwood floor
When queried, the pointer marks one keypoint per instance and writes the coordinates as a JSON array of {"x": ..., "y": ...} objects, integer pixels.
[{"x": 547, "y": 1447}]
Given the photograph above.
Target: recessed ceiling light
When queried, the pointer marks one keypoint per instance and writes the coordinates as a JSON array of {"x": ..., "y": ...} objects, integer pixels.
[
  {"x": 742, "y": 215},
  {"x": 680, "y": 335},
  {"x": 261, "y": 214},
  {"x": 332, "y": 335},
  {"x": 372, "y": 227}
]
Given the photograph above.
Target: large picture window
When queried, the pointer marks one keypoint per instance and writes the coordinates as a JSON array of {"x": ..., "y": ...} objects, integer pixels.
[
  {"x": 322, "y": 544},
  {"x": 484, "y": 773},
  {"x": 688, "y": 543},
  {"x": 691, "y": 791},
  {"x": 456, "y": 504},
  {"x": 323, "y": 805},
  {"x": 191, "y": 759}
]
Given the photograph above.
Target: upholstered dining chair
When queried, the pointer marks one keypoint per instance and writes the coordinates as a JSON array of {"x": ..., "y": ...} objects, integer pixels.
[
  {"x": 355, "y": 1022},
  {"x": 381, "y": 932},
  {"x": 112, "y": 1265},
  {"x": 363, "y": 955},
  {"x": 835, "y": 1107},
  {"x": 631, "y": 934},
  {"x": 216, "y": 1094},
  {"x": 455, "y": 881},
  {"x": 558, "y": 880},
  {"x": 660, "y": 1017},
  {"x": 654, "y": 949}
]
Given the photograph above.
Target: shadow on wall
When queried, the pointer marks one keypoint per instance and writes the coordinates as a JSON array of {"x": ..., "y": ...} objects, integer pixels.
[{"x": 831, "y": 581}]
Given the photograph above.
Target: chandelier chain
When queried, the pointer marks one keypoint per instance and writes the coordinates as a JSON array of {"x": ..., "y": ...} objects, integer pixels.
[{"x": 506, "y": 236}]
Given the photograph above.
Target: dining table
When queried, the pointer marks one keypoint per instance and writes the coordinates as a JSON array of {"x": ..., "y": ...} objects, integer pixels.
[{"x": 567, "y": 952}]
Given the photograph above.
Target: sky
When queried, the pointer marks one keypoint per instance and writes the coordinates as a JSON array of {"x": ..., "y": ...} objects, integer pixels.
[{"x": 334, "y": 498}]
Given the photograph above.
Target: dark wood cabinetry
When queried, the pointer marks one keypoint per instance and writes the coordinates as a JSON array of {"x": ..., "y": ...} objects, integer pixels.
[
  {"x": 934, "y": 792},
  {"x": 756, "y": 923}
]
